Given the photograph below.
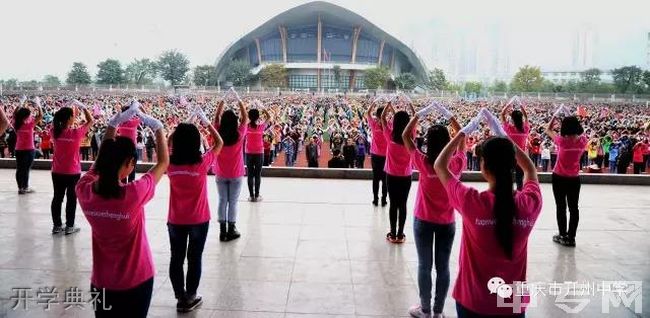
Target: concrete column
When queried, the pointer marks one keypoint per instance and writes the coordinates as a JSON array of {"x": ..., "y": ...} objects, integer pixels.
[
  {"x": 355, "y": 40},
  {"x": 381, "y": 52},
  {"x": 259, "y": 50},
  {"x": 283, "y": 40},
  {"x": 319, "y": 41}
]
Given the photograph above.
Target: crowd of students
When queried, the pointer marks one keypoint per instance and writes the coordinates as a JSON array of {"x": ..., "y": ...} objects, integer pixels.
[{"x": 402, "y": 135}]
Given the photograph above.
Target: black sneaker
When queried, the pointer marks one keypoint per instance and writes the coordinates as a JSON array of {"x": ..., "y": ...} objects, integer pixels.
[
  {"x": 57, "y": 229},
  {"x": 375, "y": 202},
  {"x": 232, "y": 233},
  {"x": 71, "y": 230},
  {"x": 557, "y": 238},
  {"x": 568, "y": 241},
  {"x": 383, "y": 203},
  {"x": 190, "y": 304}
]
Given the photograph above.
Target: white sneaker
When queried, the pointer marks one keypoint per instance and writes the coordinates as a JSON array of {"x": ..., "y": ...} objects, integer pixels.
[{"x": 416, "y": 312}]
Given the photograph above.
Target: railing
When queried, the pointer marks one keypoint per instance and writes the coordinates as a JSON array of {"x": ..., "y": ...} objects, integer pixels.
[{"x": 258, "y": 90}]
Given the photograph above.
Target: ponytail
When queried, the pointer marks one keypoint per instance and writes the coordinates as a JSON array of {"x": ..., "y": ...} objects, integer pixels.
[
  {"x": 113, "y": 154},
  {"x": 499, "y": 159}
]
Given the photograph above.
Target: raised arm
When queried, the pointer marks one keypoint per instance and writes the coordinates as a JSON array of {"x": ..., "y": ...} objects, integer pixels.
[
  {"x": 549, "y": 128},
  {"x": 384, "y": 114},
  {"x": 243, "y": 112},
  {"x": 407, "y": 134},
  {"x": 442, "y": 163},
  {"x": 369, "y": 111},
  {"x": 162, "y": 154},
  {"x": 217, "y": 116},
  {"x": 524, "y": 113},
  {"x": 4, "y": 121},
  {"x": 39, "y": 107},
  {"x": 89, "y": 118},
  {"x": 504, "y": 111},
  {"x": 526, "y": 165}
]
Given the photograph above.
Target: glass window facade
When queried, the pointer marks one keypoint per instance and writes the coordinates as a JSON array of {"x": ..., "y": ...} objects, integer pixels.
[
  {"x": 271, "y": 46},
  {"x": 328, "y": 81},
  {"x": 387, "y": 54},
  {"x": 252, "y": 55},
  {"x": 302, "y": 44},
  {"x": 367, "y": 50},
  {"x": 337, "y": 44},
  {"x": 303, "y": 81}
]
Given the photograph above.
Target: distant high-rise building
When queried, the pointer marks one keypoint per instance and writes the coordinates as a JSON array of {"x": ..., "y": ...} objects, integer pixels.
[
  {"x": 647, "y": 61},
  {"x": 585, "y": 48}
]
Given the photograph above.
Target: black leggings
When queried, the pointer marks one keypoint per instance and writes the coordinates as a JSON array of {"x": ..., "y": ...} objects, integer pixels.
[
  {"x": 24, "y": 161},
  {"x": 378, "y": 175},
  {"x": 132, "y": 302},
  {"x": 398, "y": 192},
  {"x": 64, "y": 186},
  {"x": 186, "y": 241},
  {"x": 254, "y": 163},
  {"x": 566, "y": 191}
]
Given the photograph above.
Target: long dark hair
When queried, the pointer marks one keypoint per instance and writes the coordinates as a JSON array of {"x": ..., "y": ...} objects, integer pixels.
[
  {"x": 498, "y": 155},
  {"x": 518, "y": 119},
  {"x": 186, "y": 141},
  {"x": 437, "y": 139},
  {"x": 400, "y": 120},
  {"x": 112, "y": 155},
  {"x": 20, "y": 115},
  {"x": 60, "y": 120},
  {"x": 379, "y": 111},
  {"x": 571, "y": 126},
  {"x": 253, "y": 116},
  {"x": 228, "y": 128}
]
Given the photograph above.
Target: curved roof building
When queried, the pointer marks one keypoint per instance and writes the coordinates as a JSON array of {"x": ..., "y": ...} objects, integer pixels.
[{"x": 310, "y": 39}]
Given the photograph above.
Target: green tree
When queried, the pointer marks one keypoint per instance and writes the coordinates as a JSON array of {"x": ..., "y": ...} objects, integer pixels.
[
  {"x": 454, "y": 87},
  {"x": 141, "y": 72},
  {"x": 10, "y": 83},
  {"x": 646, "y": 79},
  {"x": 337, "y": 74},
  {"x": 274, "y": 75},
  {"x": 110, "y": 72},
  {"x": 239, "y": 73},
  {"x": 499, "y": 86},
  {"x": 590, "y": 80},
  {"x": 173, "y": 66},
  {"x": 205, "y": 75},
  {"x": 405, "y": 81},
  {"x": 473, "y": 87},
  {"x": 627, "y": 79},
  {"x": 377, "y": 77},
  {"x": 437, "y": 79},
  {"x": 78, "y": 74},
  {"x": 51, "y": 80},
  {"x": 527, "y": 79}
]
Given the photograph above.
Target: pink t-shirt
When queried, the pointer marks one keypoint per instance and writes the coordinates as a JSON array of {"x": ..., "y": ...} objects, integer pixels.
[
  {"x": 569, "y": 151},
  {"x": 121, "y": 254},
  {"x": 129, "y": 129},
  {"x": 230, "y": 161},
  {"x": 481, "y": 255},
  {"x": 66, "y": 155},
  {"x": 398, "y": 158},
  {"x": 519, "y": 138},
  {"x": 255, "y": 139},
  {"x": 378, "y": 142},
  {"x": 188, "y": 198},
  {"x": 25, "y": 135},
  {"x": 431, "y": 202}
]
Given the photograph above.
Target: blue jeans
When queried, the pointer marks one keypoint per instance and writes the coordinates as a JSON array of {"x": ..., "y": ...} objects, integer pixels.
[
  {"x": 612, "y": 166},
  {"x": 186, "y": 240},
  {"x": 463, "y": 312},
  {"x": 424, "y": 233},
  {"x": 229, "y": 189}
]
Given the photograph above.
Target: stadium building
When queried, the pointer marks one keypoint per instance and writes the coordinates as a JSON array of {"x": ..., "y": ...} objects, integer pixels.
[{"x": 311, "y": 39}]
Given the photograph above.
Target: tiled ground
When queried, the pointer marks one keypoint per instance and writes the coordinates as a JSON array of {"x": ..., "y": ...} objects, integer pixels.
[{"x": 316, "y": 248}]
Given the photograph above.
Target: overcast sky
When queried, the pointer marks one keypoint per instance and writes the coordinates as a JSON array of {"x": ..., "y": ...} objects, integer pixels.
[{"x": 42, "y": 37}]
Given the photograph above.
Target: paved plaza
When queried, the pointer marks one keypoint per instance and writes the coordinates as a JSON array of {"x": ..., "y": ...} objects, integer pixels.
[{"x": 316, "y": 248}]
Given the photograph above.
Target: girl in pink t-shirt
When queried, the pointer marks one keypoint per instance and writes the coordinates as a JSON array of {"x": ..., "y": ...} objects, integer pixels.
[
  {"x": 189, "y": 213},
  {"x": 496, "y": 227},
  {"x": 434, "y": 215},
  {"x": 122, "y": 267},
  {"x": 24, "y": 125},
  {"x": 66, "y": 168},
  {"x": 377, "y": 155},
  {"x": 229, "y": 167},
  {"x": 565, "y": 179},
  {"x": 254, "y": 151},
  {"x": 4, "y": 121},
  {"x": 517, "y": 129},
  {"x": 398, "y": 170}
]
